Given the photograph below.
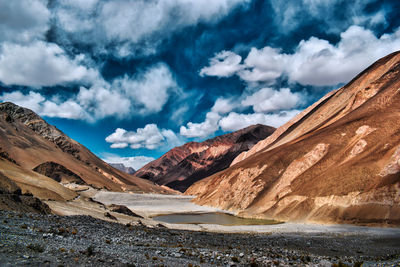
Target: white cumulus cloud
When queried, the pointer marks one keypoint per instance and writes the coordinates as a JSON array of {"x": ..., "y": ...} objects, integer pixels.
[
  {"x": 23, "y": 21},
  {"x": 132, "y": 22},
  {"x": 223, "y": 64},
  {"x": 149, "y": 137},
  {"x": 270, "y": 100},
  {"x": 39, "y": 64},
  {"x": 36, "y": 102},
  {"x": 150, "y": 91},
  {"x": 235, "y": 121},
  {"x": 314, "y": 62},
  {"x": 202, "y": 129},
  {"x": 146, "y": 93},
  {"x": 271, "y": 107}
]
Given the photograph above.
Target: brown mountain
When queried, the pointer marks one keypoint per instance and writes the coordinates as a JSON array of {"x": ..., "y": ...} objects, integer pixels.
[
  {"x": 29, "y": 143},
  {"x": 338, "y": 161},
  {"x": 182, "y": 166}
]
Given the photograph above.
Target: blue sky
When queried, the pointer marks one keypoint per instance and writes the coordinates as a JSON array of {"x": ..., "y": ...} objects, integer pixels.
[{"x": 130, "y": 79}]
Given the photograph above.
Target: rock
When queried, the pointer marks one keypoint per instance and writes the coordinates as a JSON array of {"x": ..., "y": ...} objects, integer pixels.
[
  {"x": 324, "y": 263},
  {"x": 176, "y": 255},
  {"x": 123, "y": 210},
  {"x": 108, "y": 215}
]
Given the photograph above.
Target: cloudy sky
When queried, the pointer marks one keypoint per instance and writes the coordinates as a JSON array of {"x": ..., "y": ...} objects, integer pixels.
[{"x": 131, "y": 79}]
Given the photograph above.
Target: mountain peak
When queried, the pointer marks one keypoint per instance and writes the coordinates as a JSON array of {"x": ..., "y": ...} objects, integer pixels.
[
  {"x": 182, "y": 166},
  {"x": 27, "y": 139},
  {"x": 122, "y": 167}
]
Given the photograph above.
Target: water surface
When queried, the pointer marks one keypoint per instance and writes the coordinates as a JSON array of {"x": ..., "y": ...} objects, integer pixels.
[{"x": 210, "y": 218}]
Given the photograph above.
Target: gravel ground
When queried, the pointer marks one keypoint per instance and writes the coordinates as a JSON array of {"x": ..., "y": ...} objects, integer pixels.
[{"x": 52, "y": 240}]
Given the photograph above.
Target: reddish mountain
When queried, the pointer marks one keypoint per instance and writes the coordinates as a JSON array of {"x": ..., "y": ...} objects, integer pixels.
[
  {"x": 182, "y": 166},
  {"x": 29, "y": 143},
  {"x": 338, "y": 161}
]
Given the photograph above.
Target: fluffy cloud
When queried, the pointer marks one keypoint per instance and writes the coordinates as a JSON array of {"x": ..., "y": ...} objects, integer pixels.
[
  {"x": 315, "y": 61},
  {"x": 224, "y": 64},
  {"x": 36, "y": 102},
  {"x": 270, "y": 100},
  {"x": 203, "y": 129},
  {"x": 125, "y": 97},
  {"x": 149, "y": 137},
  {"x": 23, "y": 21},
  {"x": 235, "y": 121},
  {"x": 134, "y": 162},
  {"x": 139, "y": 22},
  {"x": 271, "y": 107},
  {"x": 25, "y": 57},
  {"x": 101, "y": 101},
  {"x": 150, "y": 91},
  {"x": 210, "y": 124},
  {"x": 39, "y": 64},
  {"x": 224, "y": 105},
  {"x": 263, "y": 65}
]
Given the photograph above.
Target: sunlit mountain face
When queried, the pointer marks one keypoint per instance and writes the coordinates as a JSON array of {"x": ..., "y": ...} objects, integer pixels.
[{"x": 130, "y": 79}]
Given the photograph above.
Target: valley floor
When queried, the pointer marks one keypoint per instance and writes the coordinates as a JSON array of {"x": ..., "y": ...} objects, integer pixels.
[{"x": 52, "y": 240}]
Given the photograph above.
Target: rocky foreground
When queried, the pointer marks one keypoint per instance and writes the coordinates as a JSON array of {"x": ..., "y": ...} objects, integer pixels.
[{"x": 51, "y": 240}]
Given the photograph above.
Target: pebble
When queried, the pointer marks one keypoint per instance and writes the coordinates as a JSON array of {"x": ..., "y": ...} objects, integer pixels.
[
  {"x": 324, "y": 263},
  {"x": 176, "y": 255}
]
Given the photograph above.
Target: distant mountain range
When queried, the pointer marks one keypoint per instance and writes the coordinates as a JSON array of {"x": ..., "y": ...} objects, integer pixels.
[
  {"x": 122, "y": 167},
  {"x": 182, "y": 166},
  {"x": 337, "y": 161}
]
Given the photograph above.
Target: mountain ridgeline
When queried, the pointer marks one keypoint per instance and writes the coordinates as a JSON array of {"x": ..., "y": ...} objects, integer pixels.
[
  {"x": 38, "y": 157},
  {"x": 182, "y": 166}
]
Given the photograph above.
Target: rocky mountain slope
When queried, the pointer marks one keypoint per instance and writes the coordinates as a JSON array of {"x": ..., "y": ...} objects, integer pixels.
[
  {"x": 182, "y": 166},
  {"x": 338, "y": 161},
  {"x": 27, "y": 143}
]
